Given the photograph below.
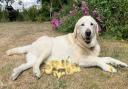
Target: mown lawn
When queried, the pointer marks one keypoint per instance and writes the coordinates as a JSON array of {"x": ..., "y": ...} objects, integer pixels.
[{"x": 22, "y": 33}]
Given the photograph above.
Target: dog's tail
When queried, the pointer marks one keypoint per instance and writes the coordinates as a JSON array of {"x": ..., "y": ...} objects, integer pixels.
[{"x": 18, "y": 50}]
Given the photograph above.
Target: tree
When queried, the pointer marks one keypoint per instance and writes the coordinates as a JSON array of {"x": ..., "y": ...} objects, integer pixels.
[{"x": 7, "y": 1}]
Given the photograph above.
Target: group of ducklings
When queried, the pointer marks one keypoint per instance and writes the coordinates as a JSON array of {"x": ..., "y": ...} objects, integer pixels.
[{"x": 59, "y": 68}]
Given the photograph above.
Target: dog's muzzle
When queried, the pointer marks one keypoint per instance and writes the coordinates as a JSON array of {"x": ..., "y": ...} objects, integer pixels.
[{"x": 88, "y": 36}]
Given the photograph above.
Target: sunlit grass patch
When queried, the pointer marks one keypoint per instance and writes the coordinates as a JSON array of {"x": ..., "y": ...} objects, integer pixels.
[{"x": 116, "y": 49}]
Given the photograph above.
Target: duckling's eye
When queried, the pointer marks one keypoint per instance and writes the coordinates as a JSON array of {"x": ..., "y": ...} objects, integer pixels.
[
  {"x": 91, "y": 23},
  {"x": 82, "y": 24}
]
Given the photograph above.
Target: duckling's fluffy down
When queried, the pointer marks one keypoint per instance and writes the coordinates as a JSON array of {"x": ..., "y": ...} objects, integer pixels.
[{"x": 58, "y": 68}]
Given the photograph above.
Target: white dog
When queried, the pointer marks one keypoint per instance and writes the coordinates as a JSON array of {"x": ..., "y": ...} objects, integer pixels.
[{"x": 81, "y": 47}]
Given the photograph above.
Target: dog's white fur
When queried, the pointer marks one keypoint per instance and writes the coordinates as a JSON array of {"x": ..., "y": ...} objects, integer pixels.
[{"x": 72, "y": 46}]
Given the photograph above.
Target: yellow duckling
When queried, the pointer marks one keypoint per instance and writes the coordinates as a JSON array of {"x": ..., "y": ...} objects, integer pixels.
[{"x": 60, "y": 68}]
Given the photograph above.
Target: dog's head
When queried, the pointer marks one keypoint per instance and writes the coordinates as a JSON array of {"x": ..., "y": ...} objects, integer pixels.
[{"x": 86, "y": 29}]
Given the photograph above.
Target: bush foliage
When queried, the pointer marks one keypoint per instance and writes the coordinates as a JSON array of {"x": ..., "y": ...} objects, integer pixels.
[
  {"x": 115, "y": 13},
  {"x": 3, "y": 16}
]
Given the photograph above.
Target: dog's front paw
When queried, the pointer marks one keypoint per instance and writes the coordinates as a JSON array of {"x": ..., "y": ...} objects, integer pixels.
[
  {"x": 37, "y": 73},
  {"x": 123, "y": 64},
  {"x": 109, "y": 68}
]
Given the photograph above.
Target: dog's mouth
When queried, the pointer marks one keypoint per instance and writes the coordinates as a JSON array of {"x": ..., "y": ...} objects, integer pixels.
[{"x": 87, "y": 39}]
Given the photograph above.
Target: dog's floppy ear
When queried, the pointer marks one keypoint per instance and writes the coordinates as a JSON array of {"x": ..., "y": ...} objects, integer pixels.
[
  {"x": 75, "y": 30},
  {"x": 97, "y": 28}
]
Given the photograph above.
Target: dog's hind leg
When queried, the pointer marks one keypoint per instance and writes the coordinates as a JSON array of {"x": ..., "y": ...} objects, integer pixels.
[
  {"x": 17, "y": 71},
  {"x": 113, "y": 61},
  {"x": 18, "y": 50}
]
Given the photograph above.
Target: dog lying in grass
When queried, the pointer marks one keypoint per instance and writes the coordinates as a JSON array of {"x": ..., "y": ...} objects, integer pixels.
[{"x": 81, "y": 47}]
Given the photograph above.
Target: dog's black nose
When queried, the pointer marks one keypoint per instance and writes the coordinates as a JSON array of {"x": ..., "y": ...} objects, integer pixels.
[{"x": 88, "y": 33}]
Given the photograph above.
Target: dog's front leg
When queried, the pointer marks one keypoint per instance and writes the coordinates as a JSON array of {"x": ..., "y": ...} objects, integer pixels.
[
  {"x": 96, "y": 61},
  {"x": 115, "y": 62}
]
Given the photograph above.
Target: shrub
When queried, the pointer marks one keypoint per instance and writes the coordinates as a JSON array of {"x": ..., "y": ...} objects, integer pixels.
[
  {"x": 69, "y": 23},
  {"x": 115, "y": 13},
  {"x": 45, "y": 14},
  {"x": 20, "y": 16},
  {"x": 3, "y": 16},
  {"x": 32, "y": 13}
]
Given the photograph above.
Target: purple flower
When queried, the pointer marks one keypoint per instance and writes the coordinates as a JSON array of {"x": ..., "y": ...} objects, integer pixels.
[
  {"x": 55, "y": 23},
  {"x": 85, "y": 10},
  {"x": 95, "y": 14}
]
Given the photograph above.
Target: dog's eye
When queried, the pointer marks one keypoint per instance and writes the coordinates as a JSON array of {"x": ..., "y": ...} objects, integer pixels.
[
  {"x": 91, "y": 23},
  {"x": 82, "y": 24}
]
